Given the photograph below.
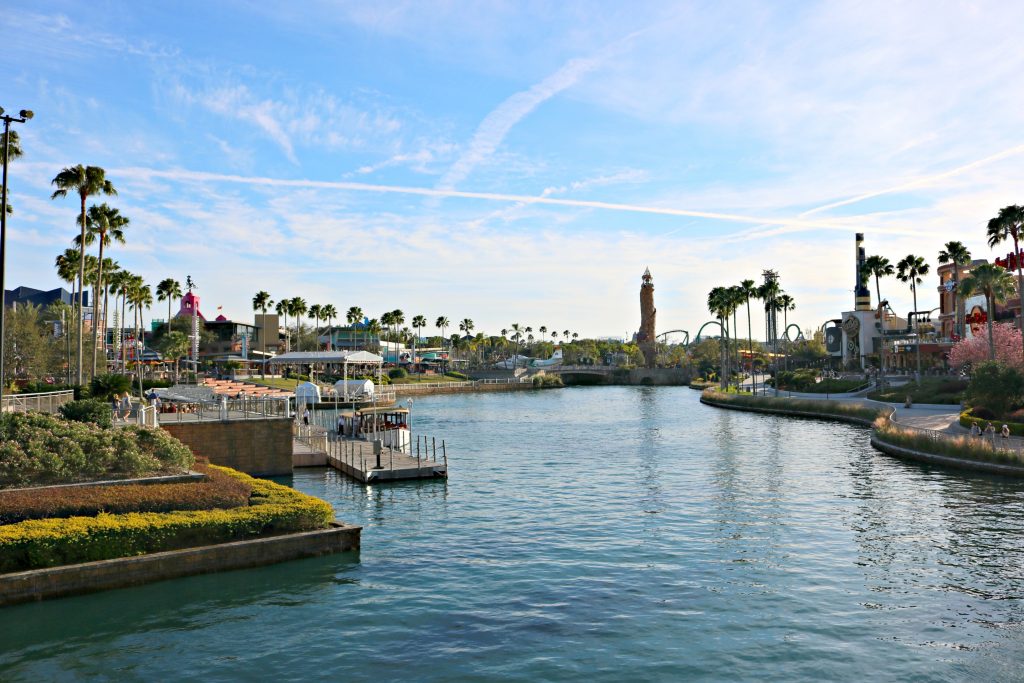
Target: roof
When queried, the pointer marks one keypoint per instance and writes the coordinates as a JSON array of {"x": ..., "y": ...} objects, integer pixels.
[{"x": 326, "y": 357}]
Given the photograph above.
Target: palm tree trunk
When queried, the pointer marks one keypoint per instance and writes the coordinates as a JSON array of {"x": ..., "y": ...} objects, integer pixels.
[
  {"x": 124, "y": 324},
  {"x": 991, "y": 342},
  {"x": 81, "y": 288},
  {"x": 95, "y": 308},
  {"x": 1020, "y": 286},
  {"x": 263, "y": 367},
  {"x": 917, "y": 320}
]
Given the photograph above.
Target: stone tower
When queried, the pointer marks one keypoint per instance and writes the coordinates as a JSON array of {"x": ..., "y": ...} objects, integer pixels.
[{"x": 646, "y": 337}]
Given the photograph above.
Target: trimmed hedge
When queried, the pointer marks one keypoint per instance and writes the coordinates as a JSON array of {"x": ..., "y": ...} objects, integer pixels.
[
  {"x": 36, "y": 448},
  {"x": 88, "y": 410},
  {"x": 218, "y": 491},
  {"x": 273, "y": 509},
  {"x": 967, "y": 419}
]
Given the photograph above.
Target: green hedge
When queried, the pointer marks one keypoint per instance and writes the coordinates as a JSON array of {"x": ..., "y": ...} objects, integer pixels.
[
  {"x": 88, "y": 410},
  {"x": 273, "y": 509},
  {"x": 36, "y": 448}
]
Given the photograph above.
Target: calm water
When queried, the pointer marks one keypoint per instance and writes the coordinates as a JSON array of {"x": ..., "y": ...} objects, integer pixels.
[{"x": 595, "y": 533}]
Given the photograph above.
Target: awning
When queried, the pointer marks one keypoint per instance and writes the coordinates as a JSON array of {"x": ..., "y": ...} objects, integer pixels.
[{"x": 328, "y": 357}]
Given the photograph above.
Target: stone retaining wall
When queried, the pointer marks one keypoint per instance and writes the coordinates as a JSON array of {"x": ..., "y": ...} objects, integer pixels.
[
  {"x": 54, "y": 582},
  {"x": 262, "y": 448}
]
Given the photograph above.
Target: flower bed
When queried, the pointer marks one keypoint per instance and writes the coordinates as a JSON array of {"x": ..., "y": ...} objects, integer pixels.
[
  {"x": 220, "y": 490},
  {"x": 272, "y": 509},
  {"x": 43, "y": 449}
]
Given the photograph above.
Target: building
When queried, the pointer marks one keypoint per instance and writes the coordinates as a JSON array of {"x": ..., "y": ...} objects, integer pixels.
[
  {"x": 348, "y": 337},
  {"x": 42, "y": 298}
]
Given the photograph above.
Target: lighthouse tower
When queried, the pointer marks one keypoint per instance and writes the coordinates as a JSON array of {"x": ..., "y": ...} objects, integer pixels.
[{"x": 646, "y": 337}]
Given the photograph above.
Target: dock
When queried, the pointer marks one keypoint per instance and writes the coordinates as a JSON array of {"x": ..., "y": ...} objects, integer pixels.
[{"x": 356, "y": 458}]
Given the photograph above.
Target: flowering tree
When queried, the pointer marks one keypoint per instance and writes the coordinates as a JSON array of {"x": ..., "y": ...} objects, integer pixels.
[{"x": 1006, "y": 339}]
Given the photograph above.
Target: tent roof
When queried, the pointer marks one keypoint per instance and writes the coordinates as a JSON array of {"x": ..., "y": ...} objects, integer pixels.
[{"x": 326, "y": 357}]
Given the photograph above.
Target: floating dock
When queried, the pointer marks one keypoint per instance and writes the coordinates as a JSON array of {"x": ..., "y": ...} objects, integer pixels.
[{"x": 357, "y": 459}]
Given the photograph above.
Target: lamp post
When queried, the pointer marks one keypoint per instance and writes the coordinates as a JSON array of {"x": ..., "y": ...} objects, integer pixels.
[
  {"x": 408, "y": 404},
  {"x": 23, "y": 116}
]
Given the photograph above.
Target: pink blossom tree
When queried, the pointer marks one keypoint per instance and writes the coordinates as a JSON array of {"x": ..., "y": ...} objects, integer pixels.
[{"x": 1008, "y": 346}]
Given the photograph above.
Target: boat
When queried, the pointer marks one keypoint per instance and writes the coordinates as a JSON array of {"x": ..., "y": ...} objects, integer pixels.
[{"x": 389, "y": 424}]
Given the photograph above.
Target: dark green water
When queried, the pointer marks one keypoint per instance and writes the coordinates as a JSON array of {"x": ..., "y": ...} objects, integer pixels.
[{"x": 601, "y": 534}]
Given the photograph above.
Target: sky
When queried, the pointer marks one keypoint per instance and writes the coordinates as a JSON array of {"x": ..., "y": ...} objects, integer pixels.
[{"x": 517, "y": 162}]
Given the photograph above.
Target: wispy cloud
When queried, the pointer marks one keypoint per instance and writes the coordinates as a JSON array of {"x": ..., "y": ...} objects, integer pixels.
[{"x": 257, "y": 181}]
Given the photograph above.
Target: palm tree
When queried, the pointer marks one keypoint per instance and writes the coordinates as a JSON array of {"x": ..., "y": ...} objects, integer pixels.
[
  {"x": 86, "y": 181},
  {"x": 786, "y": 304},
  {"x": 543, "y": 329},
  {"x": 141, "y": 297},
  {"x": 354, "y": 315},
  {"x": 106, "y": 225},
  {"x": 260, "y": 302},
  {"x": 14, "y": 151},
  {"x": 297, "y": 307},
  {"x": 466, "y": 325},
  {"x": 910, "y": 270},
  {"x": 748, "y": 288},
  {"x": 575, "y": 336},
  {"x": 996, "y": 284},
  {"x": 418, "y": 323},
  {"x": 397, "y": 319},
  {"x": 373, "y": 328},
  {"x": 168, "y": 290},
  {"x": 718, "y": 306},
  {"x": 877, "y": 267},
  {"x": 316, "y": 312},
  {"x": 1010, "y": 224},
  {"x": 282, "y": 309},
  {"x": 330, "y": 313},
  {"x": 957, "y": 254},
  {"x": 442, "y": 324}
]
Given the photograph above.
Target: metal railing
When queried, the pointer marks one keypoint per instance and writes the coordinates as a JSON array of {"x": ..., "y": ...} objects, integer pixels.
[
  {"x": 45, "y": 402},
  {"x": 146, "y": 416},
  {"x": 313, "y": 436},
  {"x": 224, "y": 410}
]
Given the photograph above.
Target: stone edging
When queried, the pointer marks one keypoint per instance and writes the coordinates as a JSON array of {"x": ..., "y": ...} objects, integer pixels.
[
  {"x": 187, "y": 477},
  {"x": 883, "y": 446},
  {"x": 88, "y": 577},
  {"x": 785, "y": 411},
  {"x": 960, "y": 463}
]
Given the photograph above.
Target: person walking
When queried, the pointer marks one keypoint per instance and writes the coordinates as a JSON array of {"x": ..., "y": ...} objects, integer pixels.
[
  {"x": 975, "y": 430},
  {"x": 990, "y": 433},
  {"x": 126, "y": 405},
  {"x": 305, "y": 416},
  {"x": 115, "y": 406}
]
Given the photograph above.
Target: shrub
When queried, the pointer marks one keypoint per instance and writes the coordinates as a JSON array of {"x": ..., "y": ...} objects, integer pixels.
[
  {"x": 456, "y": 375},
  {"x": 964, "y": 447},
  {"x": 273, "y": 509},
  {"x": 979, "y": 416},
  {"x": 995, "y": 386},
  {"x": 105, "y": 386},
  {"x": 44, "y": 388},
  {"x": 220, "y": 490},
  {"x": 397, "y": 373},
  {"x": 41, "y": 449},
  {"x": 795, "y": 406},
  {"x": 88, "y": 410},
  {"x": 981, "y": 412},
  {"x": 156, "y": 383}
]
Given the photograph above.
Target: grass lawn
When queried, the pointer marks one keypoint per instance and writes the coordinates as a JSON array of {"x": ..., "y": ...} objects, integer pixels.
[
  {"x": 276, "y": 382},
  {"x": 418, "y": 379},
  {"x": 931, "y": 390}
]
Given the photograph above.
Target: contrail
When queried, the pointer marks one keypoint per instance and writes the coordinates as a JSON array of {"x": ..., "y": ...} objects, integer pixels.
[
  {"x": 203, "y": 176},
  {"x": 925, "y": 180}
]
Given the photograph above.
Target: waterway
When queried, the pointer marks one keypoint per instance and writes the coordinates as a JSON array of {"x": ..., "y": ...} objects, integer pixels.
[{"x": 599, "y": 534}]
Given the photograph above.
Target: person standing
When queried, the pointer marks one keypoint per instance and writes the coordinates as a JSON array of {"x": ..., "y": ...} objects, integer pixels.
[
  {"x": 115, "y": 406},
  {"x": 1005, "y": 431},
  {"x": 990, "y": 433},
  {"x": 126, "y": 406},
  {"x": 305, "y": 416}
]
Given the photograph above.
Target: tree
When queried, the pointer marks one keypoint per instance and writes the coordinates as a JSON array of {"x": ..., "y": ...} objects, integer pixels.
[
  {"x": 719, "y": 302},
  {"x": 466, "y": 325},
  {"x": 330, "y": 313},
  {"x": 282, "y": 309},
  {"x": 1009, "y": 224},
  {"x": 354, "y": 315},
  {"x": 1005, "y": 343},
  {"x": 316, "y": 312},
  {"x": 995, "y": 386},
  {"x": 543, "y": 329},
  {"x": 910, "y": 270},
  {"x": 261, "y": 301},
  {"x": 373, "y": 328},
  {"x": 418, "y": 323},
  {"x": 297, "y": 308},
  {"x": 174, "y": 345},
  {"x": 996, "y": 284},
  {"x": 106, "y": 225},
  {"x": 86, "y": 181},
  {"x": 168, "y": 290},
  {"x": 442, "y": 324},
  {"x": 749, "y": 289},
  {"x": 877, "y": 267},
  {"x": 957, "y": 254}
]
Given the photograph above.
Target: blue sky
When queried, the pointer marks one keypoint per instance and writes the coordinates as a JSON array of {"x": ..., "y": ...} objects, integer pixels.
[{"x": 460, "y": 158}]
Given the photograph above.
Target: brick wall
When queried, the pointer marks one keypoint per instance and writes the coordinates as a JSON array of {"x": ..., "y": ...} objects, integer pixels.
[{"x": 257, "y": 447}]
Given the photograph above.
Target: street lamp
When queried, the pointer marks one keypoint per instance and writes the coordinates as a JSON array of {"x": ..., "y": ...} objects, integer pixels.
[
  {"x": 23, "y": 116},
  {"x": 408, "y": 404}
]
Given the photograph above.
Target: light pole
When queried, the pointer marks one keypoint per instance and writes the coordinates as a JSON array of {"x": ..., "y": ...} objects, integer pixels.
[
  {"x": 408, "y": 404},
  {"x": 23, "y": 116}
]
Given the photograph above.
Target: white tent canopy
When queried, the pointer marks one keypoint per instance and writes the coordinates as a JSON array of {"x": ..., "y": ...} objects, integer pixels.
[
  {"x": 307, "y": 392},
  {"x": 348, "y": 389},
  {"x": 326, "y": 357}
]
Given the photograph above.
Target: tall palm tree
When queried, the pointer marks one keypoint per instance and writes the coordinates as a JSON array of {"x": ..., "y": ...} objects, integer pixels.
[
  {"x": 261, "y": 301},
  {"x": 168, "y": 290},
  {"x": 397, "y": 319},
  {"x": 141, "y": 297},
  {"x": 1009, "y": 224},
  {"x": 354, "y": 315},
  {"x": 316, "y": 312},
  {"x": 330, "y": 313},
  {"x": 297, "y": 307},
  {"x": 418, "y": 323},
  {"x": 373, "y": 328},
  {"x": 748, "y": 288},
  {"x": 996, "y": 284},
  {"x": 877, "y": 267},
  {"x": 387, "y": 321},
  {"x": 786, "y": 304},
  {"x": 106, "y": 225},
  {"x": 126, "y": 282},
  {"x": 910, "y": 270},
  {"x": 959, "y": 255},
  {"x": 543, "y": 329},
  {"x": 85, "y": 181},
  {"x": 442, "y": 324},
  {"x": 466, "y": 325},
  {"x": 718, "y": 306},
  {"x": 282, "y": 309},
  {"x": 554, "y": 336}
]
